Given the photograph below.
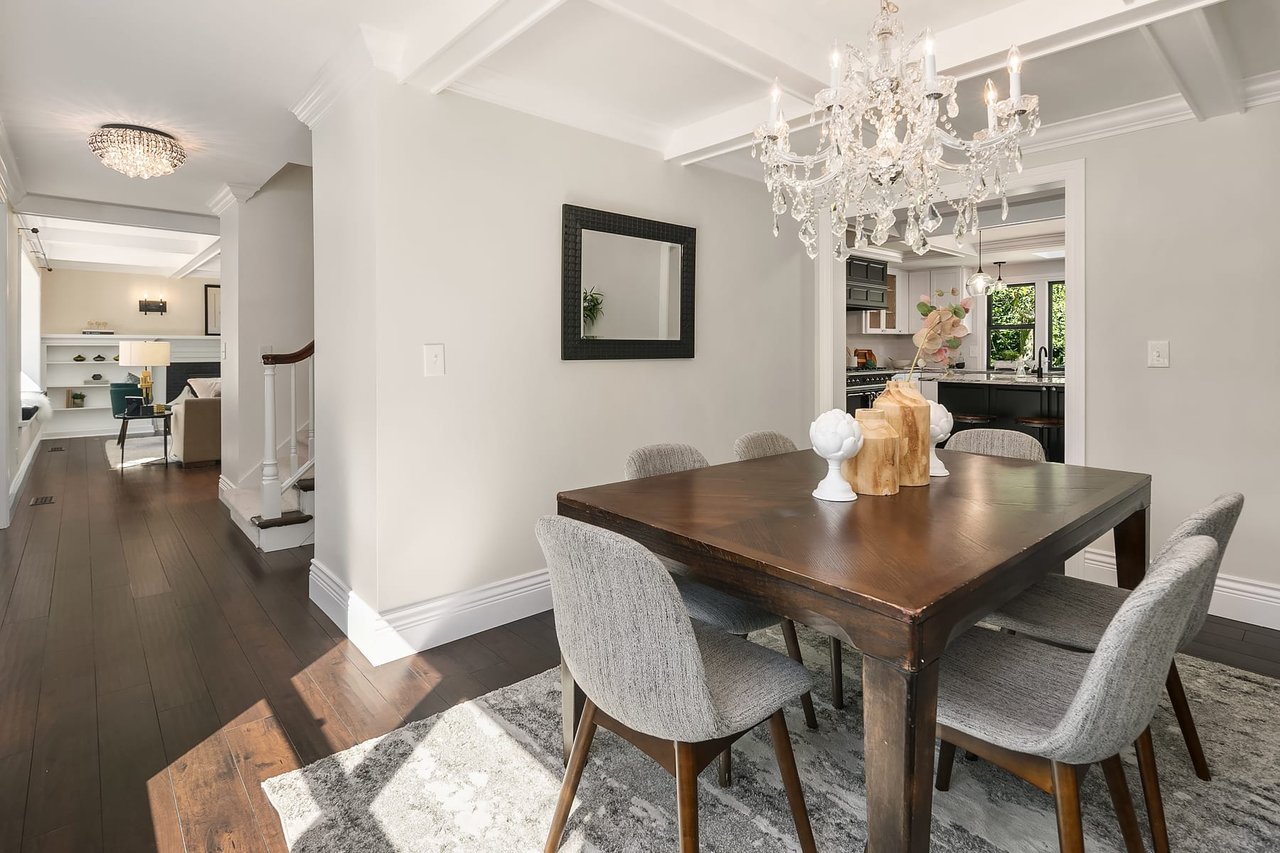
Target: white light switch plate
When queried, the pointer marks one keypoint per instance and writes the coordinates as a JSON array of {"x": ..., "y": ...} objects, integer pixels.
[
  {"x": 1157, "y": 353},
  {"x": 433, "y": 359}
]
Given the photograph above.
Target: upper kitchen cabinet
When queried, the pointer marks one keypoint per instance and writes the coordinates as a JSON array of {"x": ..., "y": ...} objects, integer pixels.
[
  {"x": 900, "y": 316},
  {"x": 866, "y": 288}
]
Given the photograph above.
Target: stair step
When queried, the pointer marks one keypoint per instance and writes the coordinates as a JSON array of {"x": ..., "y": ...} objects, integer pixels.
[
  {"x": 287, "y": 519},
  {"x": 306, "y": 484}
]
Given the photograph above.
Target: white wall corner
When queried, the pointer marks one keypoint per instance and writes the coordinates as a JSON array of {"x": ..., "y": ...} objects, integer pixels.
[
  {"x": 347, "y": 68},
  {"x": 384, "y": 637},
  {"x": 229, "y": 194},
  {"x": 1242, "y": 599}
]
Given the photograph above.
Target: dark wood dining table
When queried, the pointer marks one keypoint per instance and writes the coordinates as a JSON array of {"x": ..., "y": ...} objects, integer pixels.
[{"x": 897, "y": 577}]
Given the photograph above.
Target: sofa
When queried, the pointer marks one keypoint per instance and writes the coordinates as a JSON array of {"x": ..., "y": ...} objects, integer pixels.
[{"x": 197, "y": 423}]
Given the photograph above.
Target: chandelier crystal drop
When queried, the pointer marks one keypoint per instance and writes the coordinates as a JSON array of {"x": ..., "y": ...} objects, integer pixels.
[
  {"x": 887, "y": 143},
  {"x": 138, "y": 152}
]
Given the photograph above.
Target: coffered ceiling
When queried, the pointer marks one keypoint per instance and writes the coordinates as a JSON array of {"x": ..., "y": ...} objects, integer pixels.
[{"x": 685, "y": 78}]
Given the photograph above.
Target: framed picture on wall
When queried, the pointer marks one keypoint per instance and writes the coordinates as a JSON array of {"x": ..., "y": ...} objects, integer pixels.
[{"x": 213, "y": 309}]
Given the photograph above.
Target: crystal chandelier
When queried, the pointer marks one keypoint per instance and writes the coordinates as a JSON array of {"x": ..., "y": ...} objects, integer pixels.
[
  {"x": 885, "y": 139},
  {"x": 138, "y": 152}
]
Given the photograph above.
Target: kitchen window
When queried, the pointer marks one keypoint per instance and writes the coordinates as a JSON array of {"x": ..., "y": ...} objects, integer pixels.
[
  {"x": 1023, "y": 317},
  {"x": 1011, "y": 324}
]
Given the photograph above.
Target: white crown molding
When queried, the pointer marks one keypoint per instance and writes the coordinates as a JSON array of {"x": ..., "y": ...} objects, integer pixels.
[
  {"x": 348, "y": 68},
  {"x": 1023, "y": 244},
  {"x": 11, "y": 188},
  {"x": 384, "y": 637},
  {"x": 1242, "y": 599},
  {"x": 229, "y": 194},
  {"x": 1171, "y": 109}
]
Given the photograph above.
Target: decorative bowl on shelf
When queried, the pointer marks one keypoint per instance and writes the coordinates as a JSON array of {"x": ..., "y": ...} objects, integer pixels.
[
  {"x": 78, "y": 358},
  {"x": 96, "y": 376},
  {"x": 99, "y": 357}
]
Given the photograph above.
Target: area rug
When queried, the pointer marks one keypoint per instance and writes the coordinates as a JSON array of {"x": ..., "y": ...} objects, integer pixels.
[
  {"x": 484, "y": 776},
  {"x": 138, "y": 450}
]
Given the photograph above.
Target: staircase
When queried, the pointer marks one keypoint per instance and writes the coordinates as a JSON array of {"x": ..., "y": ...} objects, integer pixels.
[{"x": 280, "y": 514}]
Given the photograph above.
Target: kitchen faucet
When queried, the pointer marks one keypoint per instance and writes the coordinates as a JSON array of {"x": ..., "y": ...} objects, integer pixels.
[{"x": 1042, "y": 352}]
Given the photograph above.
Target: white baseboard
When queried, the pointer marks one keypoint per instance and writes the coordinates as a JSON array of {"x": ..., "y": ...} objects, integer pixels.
[
  {"x": 24, "y": 467},
  {"x": 1242, "y": 599},
  {"x": 79, "y": 433},
  {"x": 384, "y": 637}
]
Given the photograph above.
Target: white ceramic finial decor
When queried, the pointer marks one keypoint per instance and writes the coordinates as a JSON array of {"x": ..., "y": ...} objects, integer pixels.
[
  {"x": 835, "y": 436},
  {"x": 940, "y": 424}
]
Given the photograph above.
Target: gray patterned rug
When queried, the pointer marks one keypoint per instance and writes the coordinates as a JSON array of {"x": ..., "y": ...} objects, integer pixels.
[{"x": 484, "y": 776}]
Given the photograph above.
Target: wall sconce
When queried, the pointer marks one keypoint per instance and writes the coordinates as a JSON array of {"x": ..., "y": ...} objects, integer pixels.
[{"x": 148, "y": 306}]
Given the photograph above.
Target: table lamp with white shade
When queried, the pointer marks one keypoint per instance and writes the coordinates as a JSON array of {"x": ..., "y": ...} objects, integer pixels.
[{"x": 144, "y": 354}]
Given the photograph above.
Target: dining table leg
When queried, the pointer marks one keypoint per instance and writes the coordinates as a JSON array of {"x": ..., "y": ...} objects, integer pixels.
[
  {"x": 572, "y": 700},
  {"x": 1133, "y": 548},
  {"x": 900, "y": 711}
]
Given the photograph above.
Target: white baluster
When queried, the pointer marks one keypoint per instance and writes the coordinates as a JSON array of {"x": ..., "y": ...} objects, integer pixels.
[
  {"x": 293, "y": 418},
  {"x": 311, "y": 400},
  {"x": 270, "y": 468}
]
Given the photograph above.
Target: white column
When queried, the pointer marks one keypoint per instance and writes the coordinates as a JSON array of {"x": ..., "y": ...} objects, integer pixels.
[
  {"x": 829, "y": 322},
  {"x": 270, "y": 469},
  {"x": 293, "y": 418},
  {"x": 311, "y": 401}
]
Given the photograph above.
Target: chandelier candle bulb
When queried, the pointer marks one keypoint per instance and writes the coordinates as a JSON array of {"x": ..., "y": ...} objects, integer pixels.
[
  {"x": 775, "y": 106},
  {"x": 835, "y": 66},
  {"x": 930, "y": 65},
  {"x": 1015, "y": 74},
  {"x": 990, "y": 96}
]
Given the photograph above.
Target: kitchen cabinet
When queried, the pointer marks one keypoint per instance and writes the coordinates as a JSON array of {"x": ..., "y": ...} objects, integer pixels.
[
  {"x": 900, "y": 316},
  {"x": 1005, "y": 403},
  {"x": 892, "y": 320},
  {"x": 866, "y": 287}
]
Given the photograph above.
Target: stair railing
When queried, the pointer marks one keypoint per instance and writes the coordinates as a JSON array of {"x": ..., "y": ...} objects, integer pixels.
[{"x": 273, "y": 489}]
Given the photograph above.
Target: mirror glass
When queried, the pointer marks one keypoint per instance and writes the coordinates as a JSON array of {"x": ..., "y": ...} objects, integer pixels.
[{"x": 630, "y": 288}]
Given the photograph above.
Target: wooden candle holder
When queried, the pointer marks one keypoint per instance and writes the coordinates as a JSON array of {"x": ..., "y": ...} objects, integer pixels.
[
  {"x": 908, "y": 413},
  {"x": 874, "y": 471}
]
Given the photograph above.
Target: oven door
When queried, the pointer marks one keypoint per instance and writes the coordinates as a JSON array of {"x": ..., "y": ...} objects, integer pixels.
[{"x": 861, "y": 397}]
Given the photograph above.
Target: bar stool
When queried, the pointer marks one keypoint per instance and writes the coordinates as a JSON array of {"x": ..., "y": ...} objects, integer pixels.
[
  {"x": 973, "y": 420},
  {"x": 1042, "y": 426}
]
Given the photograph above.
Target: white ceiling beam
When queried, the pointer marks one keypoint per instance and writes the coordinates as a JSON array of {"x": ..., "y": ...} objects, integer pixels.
[
  {"x": 1196, "y": 52},
  {"x": 450, "y": 39},
  {"x": 198, "y": 260},
  {"x": 725, "y": 35},
  {"x": 721, "y": 133},
  {"x": 11, "y": 187},
  {"x": 116, "y": 214}
]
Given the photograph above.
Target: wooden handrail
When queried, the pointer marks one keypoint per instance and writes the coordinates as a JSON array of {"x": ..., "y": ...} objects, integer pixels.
[{"x": 290, "y": 357}]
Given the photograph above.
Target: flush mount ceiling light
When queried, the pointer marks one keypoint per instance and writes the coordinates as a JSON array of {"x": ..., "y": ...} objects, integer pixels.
[
  {"x": 138, "y": 152},
  {"x": 886, "y": 137}
]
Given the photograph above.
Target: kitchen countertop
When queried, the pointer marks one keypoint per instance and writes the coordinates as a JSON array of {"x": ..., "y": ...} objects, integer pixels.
[{"x": 983, "y": 377}]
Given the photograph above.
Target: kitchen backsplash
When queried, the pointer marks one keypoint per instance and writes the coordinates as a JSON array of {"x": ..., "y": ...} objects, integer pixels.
[{"x": 884, "y": 346}]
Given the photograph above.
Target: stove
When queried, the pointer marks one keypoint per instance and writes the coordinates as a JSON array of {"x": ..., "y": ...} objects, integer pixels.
[{"x": 863, "y": 386}]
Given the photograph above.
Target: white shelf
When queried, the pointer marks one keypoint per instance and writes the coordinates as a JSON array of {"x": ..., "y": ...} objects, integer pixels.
[
  {"x": 83, "y": 409},
  {"x": 87, "y": 362}
]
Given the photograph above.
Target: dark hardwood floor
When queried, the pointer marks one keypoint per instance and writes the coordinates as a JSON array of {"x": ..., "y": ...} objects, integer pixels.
[{"x": 154, "y": 667}]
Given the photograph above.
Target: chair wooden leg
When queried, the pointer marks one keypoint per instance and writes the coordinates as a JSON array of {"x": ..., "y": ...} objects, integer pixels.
[
  {"x": 793, "y": 652},
  {"x": 1178, "y": 698},
  {"x": 1118, "y": 785},
  {"x": 572, "y": 775},
  {"x": 1066, "y": 799},
  {"x": 791, "y": 780},
  {"x": 687, "y": 796},
  {"x": 1151, "y": 791},
  {"x": 946, "y": 759},
  {"x": 726, "y": 768},
  {"x": 837, "y": 675}
]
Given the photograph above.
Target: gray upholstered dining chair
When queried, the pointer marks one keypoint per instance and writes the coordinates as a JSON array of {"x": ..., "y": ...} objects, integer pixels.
[
  {"x": 997, "y": 442},
  {"x": 707, "y": 605},
  {"x": 1047, "y": 713},
  {"x": 680, "y": 691},
  {"x": 762, "y": 443},
  {"x": 1074, "y": 613},
  {"x": 758, "y": 445}
]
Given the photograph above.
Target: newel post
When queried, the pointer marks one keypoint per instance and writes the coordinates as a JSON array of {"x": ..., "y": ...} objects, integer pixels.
[{"x": 270, "y": 468}]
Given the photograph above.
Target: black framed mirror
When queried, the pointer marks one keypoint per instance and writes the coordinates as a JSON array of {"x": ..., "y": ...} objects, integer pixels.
[{"x": 627, "y": 286}]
